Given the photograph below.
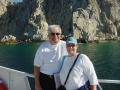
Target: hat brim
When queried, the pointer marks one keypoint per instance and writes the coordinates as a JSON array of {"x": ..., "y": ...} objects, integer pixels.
[{"x": 71, "y": 42}]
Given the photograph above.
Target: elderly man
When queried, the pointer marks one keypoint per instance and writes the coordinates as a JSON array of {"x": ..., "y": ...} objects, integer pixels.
[{"x": 46, "y": 61}]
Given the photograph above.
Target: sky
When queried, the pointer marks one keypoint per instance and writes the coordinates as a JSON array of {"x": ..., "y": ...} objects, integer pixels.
[{"x": 16, "y": 0}]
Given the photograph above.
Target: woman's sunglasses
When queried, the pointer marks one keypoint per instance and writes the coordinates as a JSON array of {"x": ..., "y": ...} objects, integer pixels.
[{"x": 70, "y": 45}]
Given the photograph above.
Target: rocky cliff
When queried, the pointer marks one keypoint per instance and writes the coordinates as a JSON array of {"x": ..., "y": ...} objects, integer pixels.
[{"x": 87, "y": 20}]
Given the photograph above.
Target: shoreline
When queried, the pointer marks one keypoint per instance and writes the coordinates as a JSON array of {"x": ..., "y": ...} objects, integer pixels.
[{"x": 40, "y": 41}]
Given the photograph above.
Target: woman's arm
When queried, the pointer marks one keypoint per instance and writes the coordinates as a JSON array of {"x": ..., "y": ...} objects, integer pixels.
[{"x": 93, "y": 87}]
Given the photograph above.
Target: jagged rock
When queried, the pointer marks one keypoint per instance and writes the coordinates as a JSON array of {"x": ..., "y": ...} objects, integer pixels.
[
  {"x": 87, "y": 20},
  {"x": 59, "y": 12},
  {"x": 8, "y": 38},
  {"x": 110, "y": 17},
  {"x": 101, "y": 15},
  {"x": 118, "y": 28},
  {"x": 3, "y": 7},
  {"x": 37, "y": 26},
  {"x": 84, "y": 28}
]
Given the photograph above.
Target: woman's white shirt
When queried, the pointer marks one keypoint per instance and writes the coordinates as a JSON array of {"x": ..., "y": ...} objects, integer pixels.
[{"x": 80, "y": 74}]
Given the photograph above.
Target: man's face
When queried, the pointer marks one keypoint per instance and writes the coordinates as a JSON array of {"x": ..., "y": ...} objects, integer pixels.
[{"x": 54, "y": 36}]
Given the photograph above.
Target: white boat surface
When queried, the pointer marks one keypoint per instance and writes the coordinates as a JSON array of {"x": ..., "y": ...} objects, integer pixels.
[
  {"x": 14, "y": 79},
  {"x": 17, "y": 80}
]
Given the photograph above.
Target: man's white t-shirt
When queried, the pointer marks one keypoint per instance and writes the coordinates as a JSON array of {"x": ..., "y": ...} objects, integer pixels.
[
  {"x": 48, "y": 57},
  {"x": 80, "y": 74}
]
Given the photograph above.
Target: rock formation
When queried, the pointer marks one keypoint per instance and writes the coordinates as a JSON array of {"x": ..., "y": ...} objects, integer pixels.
[{"x": 87, "y": 20}]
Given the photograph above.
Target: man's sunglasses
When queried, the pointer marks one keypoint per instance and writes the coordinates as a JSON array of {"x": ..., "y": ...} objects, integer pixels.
[
  {"x": 70, "y": 45},
  {"x": 53, "y": 34}
]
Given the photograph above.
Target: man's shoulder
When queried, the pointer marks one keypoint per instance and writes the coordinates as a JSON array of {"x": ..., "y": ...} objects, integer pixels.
[
  {"x": 44, "y": 44},
  {"x": 62, "y": 42}
]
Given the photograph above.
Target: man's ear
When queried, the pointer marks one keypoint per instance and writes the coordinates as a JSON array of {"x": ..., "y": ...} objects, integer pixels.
[
  {"x": 61, "y": 36},
  {"x": 48, "y": 35}
]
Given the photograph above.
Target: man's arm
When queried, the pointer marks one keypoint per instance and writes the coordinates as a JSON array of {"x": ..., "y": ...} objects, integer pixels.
[
  {"x": 93, "y": 87},
  {"x": 37, "y": 81}
]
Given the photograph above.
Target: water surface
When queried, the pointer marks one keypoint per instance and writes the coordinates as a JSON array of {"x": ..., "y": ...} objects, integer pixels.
[{"x": 105, "y": 57}]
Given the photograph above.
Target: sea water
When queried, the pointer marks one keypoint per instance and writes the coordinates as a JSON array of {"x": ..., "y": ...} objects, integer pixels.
[{"x": 105, "y": 57}]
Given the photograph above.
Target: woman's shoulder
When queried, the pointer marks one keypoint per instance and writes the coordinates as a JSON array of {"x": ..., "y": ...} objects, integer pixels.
[
  {"x": 83, "y": 56},
  {"x": 64, "y": 56},
  {"x": 85, "y": 60}
]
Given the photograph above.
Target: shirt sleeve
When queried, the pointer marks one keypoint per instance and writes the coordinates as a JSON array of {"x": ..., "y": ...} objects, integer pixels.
[
  {"x": 61, "y": 61},
  {"x": 64, "y": 49},
  {"x": 89, "y": 70},
  {"x": 38, "y": 60}
]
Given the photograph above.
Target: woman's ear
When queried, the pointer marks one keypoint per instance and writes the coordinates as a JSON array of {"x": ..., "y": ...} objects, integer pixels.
[{"x": 77, "y": 45}]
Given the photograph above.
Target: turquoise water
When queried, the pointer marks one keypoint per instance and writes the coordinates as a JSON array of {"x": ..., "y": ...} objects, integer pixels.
[{"x": 105, "y": 57}]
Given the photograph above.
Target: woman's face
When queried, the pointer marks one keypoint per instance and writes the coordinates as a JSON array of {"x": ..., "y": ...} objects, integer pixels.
[{"x": 72, "y": 49}]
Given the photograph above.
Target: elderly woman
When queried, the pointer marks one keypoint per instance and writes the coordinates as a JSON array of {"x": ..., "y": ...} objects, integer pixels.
[{"x": 82, "y": 71}]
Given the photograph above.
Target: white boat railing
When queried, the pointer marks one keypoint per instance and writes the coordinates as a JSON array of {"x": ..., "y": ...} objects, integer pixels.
[
  {"x": 107, "y": 81},
  {"x": 99, "y": 80},
  {"x": 14, "y": 79},
  {"x": 11, "y": 75},
  {"x": 29, "y": 75}
]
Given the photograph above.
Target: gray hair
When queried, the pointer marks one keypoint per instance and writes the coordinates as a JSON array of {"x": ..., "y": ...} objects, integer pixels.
[{"x": 51, "y": 27}]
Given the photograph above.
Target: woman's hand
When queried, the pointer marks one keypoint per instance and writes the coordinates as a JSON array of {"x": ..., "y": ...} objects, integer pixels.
[{"x": 93, "y": 87}]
